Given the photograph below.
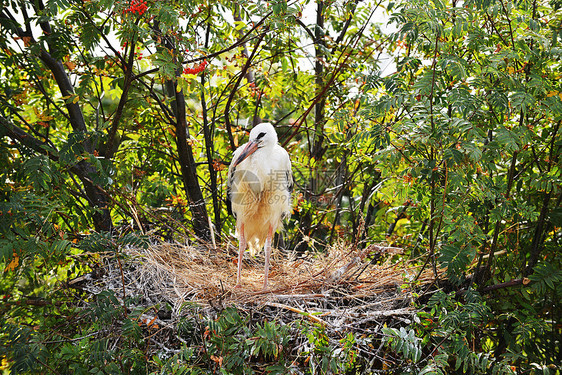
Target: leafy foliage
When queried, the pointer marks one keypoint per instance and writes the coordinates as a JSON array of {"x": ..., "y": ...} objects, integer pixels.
[
  {"x": 404, "y": 342},
  {"x": 118, "y": 119}
]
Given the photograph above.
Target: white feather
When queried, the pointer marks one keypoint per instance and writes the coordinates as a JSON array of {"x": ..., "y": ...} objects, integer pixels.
[{"x": 260, "y": 186}]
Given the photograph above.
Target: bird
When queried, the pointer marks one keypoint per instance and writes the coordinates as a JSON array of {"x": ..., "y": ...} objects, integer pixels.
[{"x": 259, "y": 188}]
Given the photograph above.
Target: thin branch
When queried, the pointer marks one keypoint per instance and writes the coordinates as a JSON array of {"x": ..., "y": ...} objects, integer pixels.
[
  {"x": 244, "y": 39},
  {"x": 234, "y": 89},
  {"x": 21, "y": 136},
  {"x": 301, "y": 119}
]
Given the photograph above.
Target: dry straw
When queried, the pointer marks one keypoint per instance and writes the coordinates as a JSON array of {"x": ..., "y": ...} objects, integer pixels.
[{"x": 340, "y": 287}]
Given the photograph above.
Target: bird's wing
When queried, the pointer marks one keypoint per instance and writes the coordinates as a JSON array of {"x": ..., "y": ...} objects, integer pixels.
[
  {"x": 230, "y": 182},
  {"x": 229, "y": 200},
  {"x": 290, "y": 181},
  {"x": 283, "y": 164}
]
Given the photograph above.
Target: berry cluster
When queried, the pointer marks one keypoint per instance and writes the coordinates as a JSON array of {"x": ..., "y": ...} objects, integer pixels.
[
  {"x": 254, "y": 90},
  {"x": 137, "y": 6},
  {"x": 196, "y": 68}
]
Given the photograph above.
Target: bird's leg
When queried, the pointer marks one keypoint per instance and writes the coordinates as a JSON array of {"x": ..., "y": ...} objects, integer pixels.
[
  {"x": 241, "y": 248},
  {"x": 267, "y": 255}
]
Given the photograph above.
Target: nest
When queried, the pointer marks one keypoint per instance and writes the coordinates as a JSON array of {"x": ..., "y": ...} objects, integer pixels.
[{"x": 342, "y": 287}]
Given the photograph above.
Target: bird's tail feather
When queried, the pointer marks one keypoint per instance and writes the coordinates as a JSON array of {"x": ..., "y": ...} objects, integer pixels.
[
  {"x": 254, "y": 247},
  {"x": 255, "y": 236}
]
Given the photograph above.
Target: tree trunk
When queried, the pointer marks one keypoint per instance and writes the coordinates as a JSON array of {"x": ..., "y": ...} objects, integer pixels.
[
  {"x": 317, "y": 147},
  {"x": 187, "y": 164},
  {"x": 208, "y": 132},
  {"x": 539, "y": 235},
  {"x": 97, "y": 198},
  {"x": 84, "y": 170}
]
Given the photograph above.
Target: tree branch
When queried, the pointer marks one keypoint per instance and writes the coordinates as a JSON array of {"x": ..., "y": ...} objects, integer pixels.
[
  {"x": 233, "y": 91},
  {"x": 18, "y": 134}
]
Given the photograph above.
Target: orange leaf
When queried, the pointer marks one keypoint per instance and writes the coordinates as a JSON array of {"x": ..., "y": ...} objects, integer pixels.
[
  {"x": 152, "y": 322},
  {"x": 13, "y": 264},
  {"x": 217, "y": 360},
  {"x": 70, "y": 65}
]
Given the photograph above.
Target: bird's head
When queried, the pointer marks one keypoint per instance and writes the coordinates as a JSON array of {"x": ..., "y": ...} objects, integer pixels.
[{"x": 261, "y": 136}]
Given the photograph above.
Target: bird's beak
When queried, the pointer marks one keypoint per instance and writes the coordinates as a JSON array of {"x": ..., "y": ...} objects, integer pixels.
[{"x": 250, "y": 148}]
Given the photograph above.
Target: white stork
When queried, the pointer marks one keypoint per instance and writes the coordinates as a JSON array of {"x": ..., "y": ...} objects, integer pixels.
[{"x": 260, "y": 183}]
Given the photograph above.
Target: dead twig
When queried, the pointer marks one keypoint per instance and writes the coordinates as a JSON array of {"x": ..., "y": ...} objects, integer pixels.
[{"x": 310, "y": 316}]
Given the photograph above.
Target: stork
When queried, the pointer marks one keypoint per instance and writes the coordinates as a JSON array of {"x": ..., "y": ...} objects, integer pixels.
[{"x": 260, "y": 183}]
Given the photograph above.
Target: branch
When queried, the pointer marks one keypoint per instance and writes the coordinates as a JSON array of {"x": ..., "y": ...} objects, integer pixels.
[
  {"x": 18, "y": 134},
  {"x": 507, "y": 284},
  {"x": 128, "y": 71},
  {"x": 66, "y": 88},
  {"x": 104, "y": 36},
  {"x": 348, "y": 23},
  {"x": 308, "y": 31},
  {"x": 233, "y": 91},
  {"x": 314, "y": 318},
  {"x": 57, "y": 68},
  {"x": 238, "y": 43},
  {"x": 320, "y": 95}
]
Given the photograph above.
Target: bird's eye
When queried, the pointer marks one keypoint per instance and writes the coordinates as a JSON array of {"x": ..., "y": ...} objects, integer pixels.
[{"x": 261, "y": 135}]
